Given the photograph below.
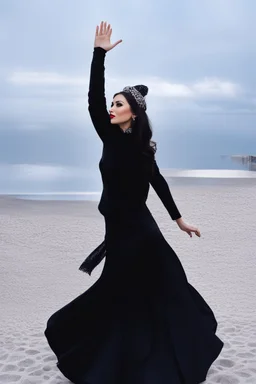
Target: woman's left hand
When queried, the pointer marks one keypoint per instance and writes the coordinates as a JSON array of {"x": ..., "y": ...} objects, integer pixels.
[{"x": 188, "y": 228}]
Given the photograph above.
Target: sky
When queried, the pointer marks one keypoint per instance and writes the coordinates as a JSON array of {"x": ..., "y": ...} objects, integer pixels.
[{"x": 197, "y": 57}]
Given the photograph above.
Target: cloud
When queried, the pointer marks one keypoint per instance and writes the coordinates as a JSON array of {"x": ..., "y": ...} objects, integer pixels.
[
  {"x": 205, "y": 88},
  {"x": 216, "y": 87},
  {"x": 44, "y": 79}
]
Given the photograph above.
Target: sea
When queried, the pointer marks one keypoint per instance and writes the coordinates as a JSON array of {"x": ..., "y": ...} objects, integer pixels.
[{"x": 174, "y": 177}]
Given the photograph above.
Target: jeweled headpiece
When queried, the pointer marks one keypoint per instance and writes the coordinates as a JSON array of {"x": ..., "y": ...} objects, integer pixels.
[{"x": 138, "y": 92}]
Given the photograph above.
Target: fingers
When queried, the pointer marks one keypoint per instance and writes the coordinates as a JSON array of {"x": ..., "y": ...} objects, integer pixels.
[
  {"x": 101, "y": 27},
  {"x": 117, "y": 42},
  {"x": 104, "y": 29},
  {"x": 109, "y": 31},
  {"x": 197, "y": 232}
]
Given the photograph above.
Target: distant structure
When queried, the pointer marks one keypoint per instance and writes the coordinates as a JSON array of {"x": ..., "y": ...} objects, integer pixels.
[{"x": 248, "y": 160}]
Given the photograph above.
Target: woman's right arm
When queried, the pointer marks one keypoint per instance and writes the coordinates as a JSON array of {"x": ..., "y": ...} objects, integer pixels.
[{"x": 96, "y": 95}]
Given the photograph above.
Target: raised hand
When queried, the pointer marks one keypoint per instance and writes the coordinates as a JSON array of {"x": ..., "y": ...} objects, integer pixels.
[{"x": 103, "y": 35}]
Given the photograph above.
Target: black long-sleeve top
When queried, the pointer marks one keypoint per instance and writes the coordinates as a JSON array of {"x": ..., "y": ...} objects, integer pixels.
[{"x": 125, "y": 184}]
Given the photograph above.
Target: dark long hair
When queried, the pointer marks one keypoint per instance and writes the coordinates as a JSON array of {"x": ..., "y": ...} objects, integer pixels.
[{"x": 141, "y": 130}]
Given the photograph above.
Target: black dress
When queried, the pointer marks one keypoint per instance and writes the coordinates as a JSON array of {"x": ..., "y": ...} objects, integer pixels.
[{"x": 141, "y": 322}]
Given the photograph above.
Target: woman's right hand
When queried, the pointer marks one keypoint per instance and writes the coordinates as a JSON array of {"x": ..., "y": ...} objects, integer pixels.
[{"x": 102, "y": 37}]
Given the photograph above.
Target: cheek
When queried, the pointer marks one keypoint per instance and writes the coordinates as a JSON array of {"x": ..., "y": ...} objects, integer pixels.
[{"x": 124, "y": 112}]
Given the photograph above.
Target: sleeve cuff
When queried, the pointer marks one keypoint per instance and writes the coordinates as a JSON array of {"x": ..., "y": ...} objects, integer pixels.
[
  {"x": 176, "y": 217},
  {"x": 99, "y": 51}
]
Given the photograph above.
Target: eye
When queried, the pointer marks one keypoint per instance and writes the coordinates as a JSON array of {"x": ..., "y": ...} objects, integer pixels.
[{"x": 119, "y": 104}]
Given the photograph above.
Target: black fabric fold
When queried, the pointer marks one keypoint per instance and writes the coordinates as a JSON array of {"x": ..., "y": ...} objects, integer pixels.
[{"x": 94, "y": 258}]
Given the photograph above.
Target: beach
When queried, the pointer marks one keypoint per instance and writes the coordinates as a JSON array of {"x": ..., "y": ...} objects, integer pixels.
[{"x": 43, "y": 244}]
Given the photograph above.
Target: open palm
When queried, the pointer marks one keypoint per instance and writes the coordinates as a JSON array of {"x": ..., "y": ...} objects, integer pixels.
[{"x": 103, "y": 35}]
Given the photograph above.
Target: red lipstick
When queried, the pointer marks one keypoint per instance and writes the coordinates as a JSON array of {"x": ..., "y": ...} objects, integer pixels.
[{"x": 111, "y": 116}]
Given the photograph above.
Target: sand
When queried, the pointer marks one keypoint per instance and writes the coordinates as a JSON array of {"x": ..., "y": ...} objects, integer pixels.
[{"x": 42, "y": 244}]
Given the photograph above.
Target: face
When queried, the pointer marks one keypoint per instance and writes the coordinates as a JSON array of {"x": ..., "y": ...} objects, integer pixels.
[{"x": 121, "y": 110}]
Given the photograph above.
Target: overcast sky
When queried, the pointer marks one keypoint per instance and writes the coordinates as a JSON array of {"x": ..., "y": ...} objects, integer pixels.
[{"x": 197, "y": 57}]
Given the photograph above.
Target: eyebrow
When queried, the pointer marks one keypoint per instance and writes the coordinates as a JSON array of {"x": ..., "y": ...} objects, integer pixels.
[{"x": 118, "y": 101}]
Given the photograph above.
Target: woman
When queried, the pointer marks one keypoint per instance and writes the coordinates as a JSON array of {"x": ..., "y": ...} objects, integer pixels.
[{"x": 141, "y": 322}]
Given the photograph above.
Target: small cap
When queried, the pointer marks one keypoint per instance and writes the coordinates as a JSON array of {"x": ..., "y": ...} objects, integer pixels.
[{"x": 143, "y": 89}]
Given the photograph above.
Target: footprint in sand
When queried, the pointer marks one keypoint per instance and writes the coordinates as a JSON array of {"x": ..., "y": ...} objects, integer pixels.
[
  {"x": 49, "y": 358},
  {"x": 225, "y": 379},
  {"x": 226, "y": 363},
  {"x": 212, "y": 371},
  {"x": 39, "y": 372},
  {"x": 30, "y": 380},
  {"x": 3, "y": 357},
  {"x": 37, "y": 334},
  {"x": 245, "y": 354},
  {"x": 9, "y": 378},
  {"x": 242, "y": 374},
  {"x": 229, "y": 330},
  {"x": 32, "y": 352},
  {"x": 26, "y": 363},
  {"x": 47, "y": 368},
  {"x": 10, "y": 368},
  {"x": 237, "y": 342},
  {"x": 14, "y": 357},
  {"x": 232, "y": 351},
  {"x": 47, "y": 348},
  {"x": 34, "y": 368}
]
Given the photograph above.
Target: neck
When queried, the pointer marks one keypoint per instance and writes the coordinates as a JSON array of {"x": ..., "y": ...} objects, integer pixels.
[{"x": 125, "y": 125}]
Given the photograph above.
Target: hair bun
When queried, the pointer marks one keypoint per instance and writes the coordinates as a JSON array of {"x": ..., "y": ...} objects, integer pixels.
[{"x": 143, "y": 89}]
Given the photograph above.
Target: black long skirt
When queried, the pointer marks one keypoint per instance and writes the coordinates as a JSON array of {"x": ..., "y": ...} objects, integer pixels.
[{"x": 141, "y": 322}]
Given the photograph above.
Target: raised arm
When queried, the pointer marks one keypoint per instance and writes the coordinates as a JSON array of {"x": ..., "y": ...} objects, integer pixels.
[
  {"x": 161, "y": 187},
  {"x": 96, "y": 96}
]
